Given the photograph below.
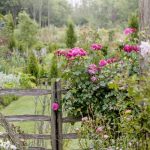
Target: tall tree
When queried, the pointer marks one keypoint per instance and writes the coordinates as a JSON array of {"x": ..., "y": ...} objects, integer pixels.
[
  {"x": 144, "y": 6},
  {"x": 145, "y": 15}
]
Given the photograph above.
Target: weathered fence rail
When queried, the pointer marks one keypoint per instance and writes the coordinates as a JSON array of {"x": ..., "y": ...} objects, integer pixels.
[
  {"x": 56, "y": 120},
  {"x": 23, "y": 118},
  {"x": 28, "y": 92},
  {"x": 40, "y": 136}
]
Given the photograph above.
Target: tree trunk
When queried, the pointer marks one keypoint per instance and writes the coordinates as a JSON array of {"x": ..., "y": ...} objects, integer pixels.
[
  {"x": 144, "y": 6},
  {"x": 48, "y": 13},
  {"x": 40, "y": 12},
  {"x": 145, "y": 15}
]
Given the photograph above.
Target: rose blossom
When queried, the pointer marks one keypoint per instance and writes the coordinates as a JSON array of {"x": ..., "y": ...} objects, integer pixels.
[
  {"x": 96, "y": 46},
  {"x": 92, "y": 69},
  {"x": 106, "y": 136},
  {"x": 93, "y": 79},
  {"x": 128, "y": 111},
  {"x": 55, "y": 106},
  {"x": 111, "y": 60},
  {"x": 129, "y": 48},
  {"x": 84, "y": 118},
  {"x": 129, "y": 31},
  {"x": 99, "y": 129},
  {"x": 76, "y": 52},
  {"x": 61, "y": 52},
  {"x": 102, "y": 63}
]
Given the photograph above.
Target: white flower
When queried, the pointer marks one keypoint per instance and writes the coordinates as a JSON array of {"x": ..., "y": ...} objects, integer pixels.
[
  {"x": 10, "y": 78},
  {"x": 13, "y": 147},
  {"x": 145, "y": 48},
  {"x": 7, "y": 145}
]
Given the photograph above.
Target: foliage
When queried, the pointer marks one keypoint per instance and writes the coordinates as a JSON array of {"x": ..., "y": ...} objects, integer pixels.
[
  {"x": 8, "y": 31},
  {"x": 6, "y": 100},
  {"x": 27, "y": 81},
  {"x": 53, "y": 72},
  {"x": 33, "y": 65},
  {"x": 26, "y": 30},
  {"x": 70, "y": 36},
  {"x": 88, "y": 77}
]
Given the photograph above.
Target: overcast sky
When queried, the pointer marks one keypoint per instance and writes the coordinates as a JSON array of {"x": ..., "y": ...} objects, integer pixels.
[{"x": 74, "y": 1}]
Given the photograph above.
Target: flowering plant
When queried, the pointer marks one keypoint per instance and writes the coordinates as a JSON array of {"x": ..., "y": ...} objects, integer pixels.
[{"x": 88, "y": 73}]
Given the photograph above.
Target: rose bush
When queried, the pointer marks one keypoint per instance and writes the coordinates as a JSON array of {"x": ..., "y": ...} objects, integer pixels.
[{"x": 88, "y": 74}]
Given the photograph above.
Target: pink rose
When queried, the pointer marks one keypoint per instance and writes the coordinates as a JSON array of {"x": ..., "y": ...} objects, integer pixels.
[
  {"x": 93, "y": 79},
  {"x": 136, "y": 48},
  {"x": 99, "y": 129},
  {"x": 92, "y": 69},
  {"x": 76, "y": 52},
  {"x": 61, "y": 52},
  {"x": 127, "y": 48},
  {"x": 106, "y": 137},
  {"x": 129, "y": 31},
  {"x": 96, "y": 46},
  {"x": 55, "y": 106},
  {"x": 111, "y": 60},
  {"x": 102, "y": 63},
  {"x": 85, "y": 119},
  {"x": 128, "y": 111}
]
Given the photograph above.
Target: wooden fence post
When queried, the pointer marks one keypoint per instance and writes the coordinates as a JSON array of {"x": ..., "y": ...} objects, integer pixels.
[{"x": 56, "y": 117}]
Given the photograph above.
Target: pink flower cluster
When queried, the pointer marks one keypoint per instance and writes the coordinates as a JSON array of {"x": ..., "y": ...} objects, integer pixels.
[
  {"x": 129, "y": 31},
  {"x": 130, "y": 48},
  {"x": 96, "y": 46},
  {"x": 92, "y": 69},
  {"x": 72, "y": 53}
]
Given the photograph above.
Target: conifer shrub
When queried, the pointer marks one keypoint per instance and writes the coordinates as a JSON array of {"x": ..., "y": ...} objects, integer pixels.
[
  {"x": 70, "y": 36},
  {"x": 32, "y": 65}
]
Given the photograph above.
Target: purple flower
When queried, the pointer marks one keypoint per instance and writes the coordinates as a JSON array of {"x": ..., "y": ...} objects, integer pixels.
[
  {"x": 76, "y": 52},
  {"x": 111, "y": 60},
  {"x": 99, "y": 129},
  {"x": 129, "y": 31},
  {"x": 93, "y": 79},
  {"x": 55, "y": 106},
  {"x": 102, "y": 63},
  {"x": 92, "y": 69},
  {"x": 96, "y": 46},
  {"x": 129, "y": 48}
]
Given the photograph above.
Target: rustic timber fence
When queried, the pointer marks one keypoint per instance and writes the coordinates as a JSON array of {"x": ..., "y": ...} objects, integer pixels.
[{"x": 56, "y": 120}]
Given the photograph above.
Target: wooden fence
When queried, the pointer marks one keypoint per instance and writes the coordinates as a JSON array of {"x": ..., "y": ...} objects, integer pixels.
[{"x": 56, "y": 120}]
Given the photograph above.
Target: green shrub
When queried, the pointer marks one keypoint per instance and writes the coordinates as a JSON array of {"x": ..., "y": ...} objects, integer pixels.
[
  {"x": 33, "y": 65},
  {"x": 6, "y": 100},
  {"x": 27, "y": 81},
  {"x": 53, "y": 73},
  {"x": 26, "y": 30},
  {"x": 70, "y": 36}
]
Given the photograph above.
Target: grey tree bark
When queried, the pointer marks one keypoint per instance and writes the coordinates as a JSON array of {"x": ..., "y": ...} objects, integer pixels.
[{"x": 144, "y": 7}]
